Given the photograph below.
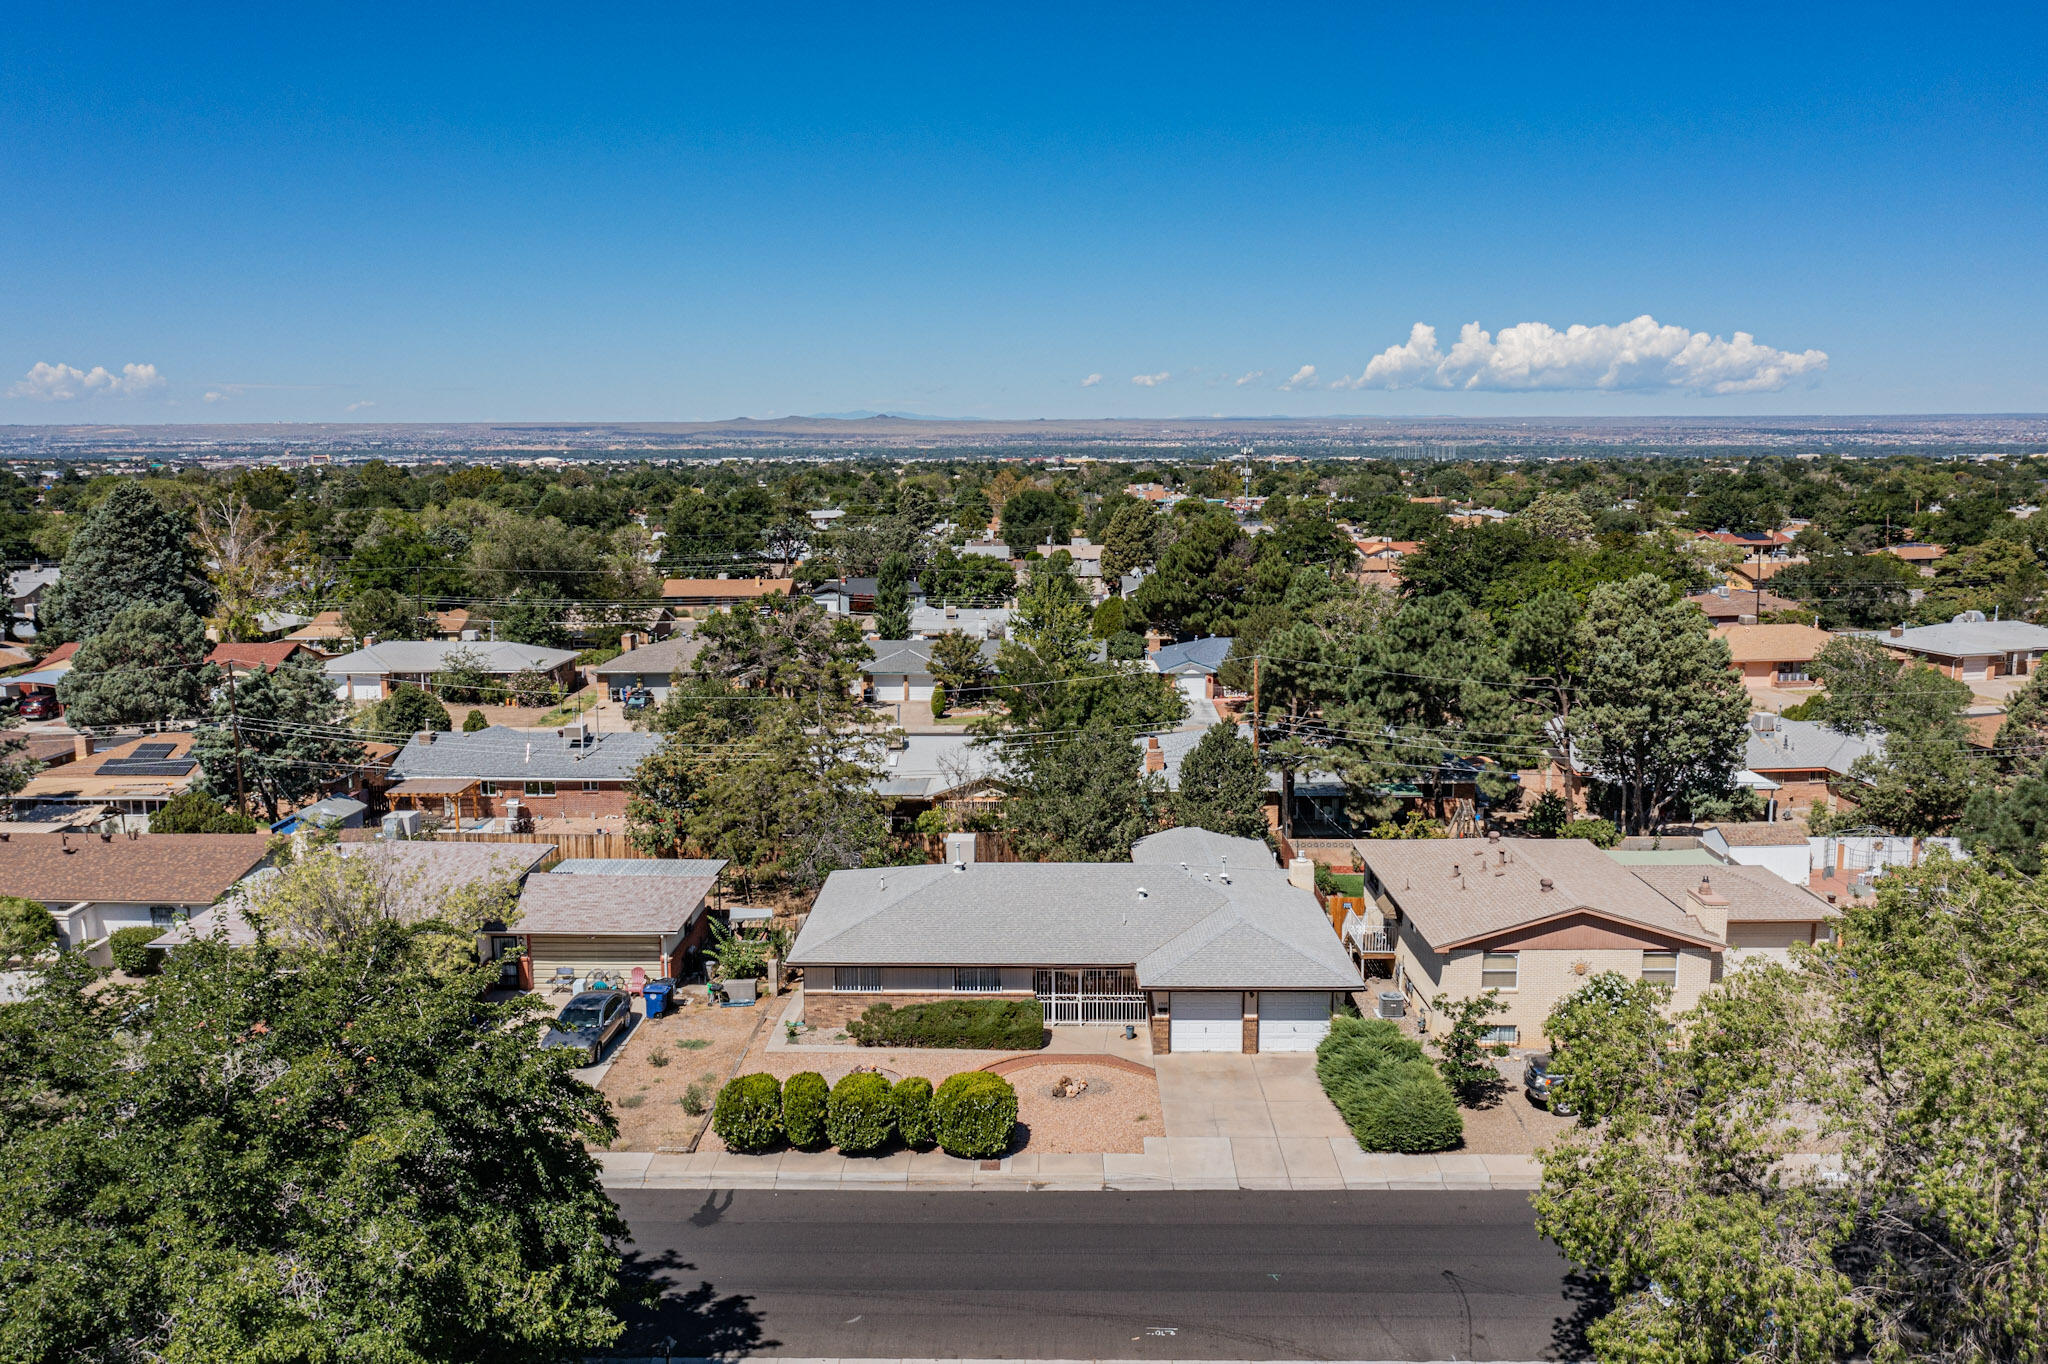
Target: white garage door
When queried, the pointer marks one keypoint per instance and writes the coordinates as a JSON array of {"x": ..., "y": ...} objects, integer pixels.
[
  {"x": 1206, "y": 1020},
  {"x": 1293, "y": 1020}
]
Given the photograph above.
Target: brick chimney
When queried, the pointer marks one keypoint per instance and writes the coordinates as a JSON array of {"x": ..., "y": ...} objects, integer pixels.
[
  {"x": 1710, "y": 907},
  {"x": 81, "y": 747},
  {"x": 1153, "y": 640},
  {"x": 1155, "y": 757},
  {"x": 628, "y": 642},
  {"x": 425, "y": 738}
]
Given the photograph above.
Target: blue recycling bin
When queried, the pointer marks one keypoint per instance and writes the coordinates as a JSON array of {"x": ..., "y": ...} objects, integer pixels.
[{"x": 656, "y": 993}]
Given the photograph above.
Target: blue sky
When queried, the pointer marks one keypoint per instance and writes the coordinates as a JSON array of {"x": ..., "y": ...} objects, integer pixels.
[{"x": 601, "y": 213}]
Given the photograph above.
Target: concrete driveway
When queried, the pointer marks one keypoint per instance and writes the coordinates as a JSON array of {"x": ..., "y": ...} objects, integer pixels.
[{"x": 1224, "y": 1095}]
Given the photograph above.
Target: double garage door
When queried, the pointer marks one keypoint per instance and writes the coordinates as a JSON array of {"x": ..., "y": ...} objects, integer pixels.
[{"x": 1213, "y": 1020}]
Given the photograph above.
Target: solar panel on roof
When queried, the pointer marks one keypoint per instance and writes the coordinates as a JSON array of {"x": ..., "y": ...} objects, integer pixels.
[
  {"x": 136, "y": 767},
  {"x": 150, "y": 753}
]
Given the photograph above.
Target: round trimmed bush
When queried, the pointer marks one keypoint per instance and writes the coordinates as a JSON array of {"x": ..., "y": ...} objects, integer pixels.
[
  {"x": 131, "y": 950},
  {"x": 973, "y": 1114},
  {"x": 804, "y": 1099},
  {"x": 913, "y": 1100},
  {"x": 748, "y": 1114},
  {"x": 1408, "y": 1108},
  {"x": 860, "y": 1117}
]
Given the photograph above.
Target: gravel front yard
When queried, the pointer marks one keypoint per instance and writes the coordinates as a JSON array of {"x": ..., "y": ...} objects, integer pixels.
[{"x": 696, "y": 1046}]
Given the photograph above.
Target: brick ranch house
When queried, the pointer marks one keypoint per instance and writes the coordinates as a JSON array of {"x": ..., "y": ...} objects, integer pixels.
[
  {"x": 370, "y": 674},
  {"x": 549, "y": 774},
  {"x": 1199, "y": 938}
]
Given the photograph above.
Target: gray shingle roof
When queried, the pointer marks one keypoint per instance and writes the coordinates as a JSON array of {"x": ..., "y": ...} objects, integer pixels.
[
  {"x": 672, "y": 655},
  {"x": 913, "y": 657},
  {"x": 431, "y": 656},
  {"x": 503, "y": 754},
  {"x": 638, "y": 866},
  {"x": 1958, "y": 639},
  {"x": 607, "y": 905},
  {"x": 1800, "y": 744},
  {"x": 1754, "y": 894},
  {"x": 1193, "y": 656},
  {"x": 1191, "y": 929}
]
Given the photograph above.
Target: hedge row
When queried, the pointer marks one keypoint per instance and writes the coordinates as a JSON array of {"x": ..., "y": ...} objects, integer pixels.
[
  {"x": 969, "y": 1024},
  {"x": 1390, "y": 1095},
  {"x": 971, "y": 1115}
]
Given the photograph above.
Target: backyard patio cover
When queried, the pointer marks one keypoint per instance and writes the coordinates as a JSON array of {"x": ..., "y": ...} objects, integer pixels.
[{"x": 433, "y": 786}]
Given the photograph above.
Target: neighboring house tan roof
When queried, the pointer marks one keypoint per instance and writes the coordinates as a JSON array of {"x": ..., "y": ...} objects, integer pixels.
[
  {"x": 326, "y": 625},
  {"x": 152, "y": 767},
  {"x": 1729, "y": 604},
  {"x": 610, "y": 905},
  {"x": 1457, "y": 891},
  {"x": 149, "y": 869},
  {"x": 1754, "y": 894},
  {"x": 1773, "y": 643},
  {"x": 721, "y": 589},
  {"x": 1783, "y": 833}
]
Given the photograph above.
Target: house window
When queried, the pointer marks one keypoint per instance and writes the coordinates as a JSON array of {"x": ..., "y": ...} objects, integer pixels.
[
  {"x": 540, "y": 788},
  {"x": 487, "y": 788},
  {"x": 1661, "y": 968},
  {"x": 1793, "y": 672},
  {"x": 1499, "y": 970},
  {"x": 857, "y": 980},
  {"x": 591, "y": 786},
  {"x": 1504, "y": 1035},
  {"x": 977, "y": 980},
  {"x": 164, "y": 916}
]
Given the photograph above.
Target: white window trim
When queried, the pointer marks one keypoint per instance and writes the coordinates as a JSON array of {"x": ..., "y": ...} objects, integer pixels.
[
  {"x": 1644, "y": 970},
  {"x": 1485, "y": 971},
  {"x": 534, "y": 788},
  {"x": 1504, "y": 1034},
  {"x": 487, "y": 788}
]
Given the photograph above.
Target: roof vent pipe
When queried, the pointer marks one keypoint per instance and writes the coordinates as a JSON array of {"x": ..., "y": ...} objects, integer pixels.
[{"x": 1546, "y": 884}]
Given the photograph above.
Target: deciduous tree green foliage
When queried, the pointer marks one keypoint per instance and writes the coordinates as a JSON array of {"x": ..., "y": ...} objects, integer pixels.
[
  {"x": 2022, "y": 740},
  {"x": 1464, "y": 1056},
  {"x": 1857, "y": 672},
  {"x": 1550, "y": 653},
  {"x": 1557, "y": 516},
  {"x": 26, "y": 927},
  {"x": 1601, "y": 833},
  {"x": 782, "y": 788},
  {"x": 785, "y": 647},
  {"x": 2001, "y": 577},
  {"x": 294, "y": 736},
  {"x": 464, "y": 679},
  {"x": 1851, "y": 591},
  {"x": 130, "y": 550},
  {"x": 1222, "y": 786},
  {"x": 407, "y": 711},
  {"x": 147, "y": 665},
  {"x": 327, "y": 898},
  {"x": 958, "y": 665},
  {"x": 195, "y": 812},
  {"x": 259, "y": 1154},
  {"x": 1079, "y": 797},
  {"x": 1035, "y": 517},
  {"x": 892, "y": 597},
  {"x": 473, "y": 722},
  {"x": 1922, "y": 780},
  {"x": 1665, "y": 714},
  {"x": 531, "y": 618},
  {"x": 1500, "y": 565},
  {"x": 1910, "y": 1050}
]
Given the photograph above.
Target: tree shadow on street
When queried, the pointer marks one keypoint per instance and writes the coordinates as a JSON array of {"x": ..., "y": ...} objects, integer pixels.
[
  {"x": 684, "y": 1322},
  {"x": 1588, "y": 1300}
]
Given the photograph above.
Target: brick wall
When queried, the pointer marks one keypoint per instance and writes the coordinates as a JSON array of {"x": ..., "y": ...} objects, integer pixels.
[
  {"x": 828, "y": 1009},
  {"x": 1250, "y": 1036},
  {"x": 1162, "y": 1034}
]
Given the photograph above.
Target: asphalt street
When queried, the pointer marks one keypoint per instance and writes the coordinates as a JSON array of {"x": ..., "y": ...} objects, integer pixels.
[{"x": 1171, "y": 1275}]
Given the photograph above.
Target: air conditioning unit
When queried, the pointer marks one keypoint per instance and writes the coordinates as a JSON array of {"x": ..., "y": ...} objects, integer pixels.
[{"x": 403, "y": 824}]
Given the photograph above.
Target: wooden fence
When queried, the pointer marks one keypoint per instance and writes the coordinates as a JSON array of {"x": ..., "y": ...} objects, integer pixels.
[{"x": 568, "y": 845}]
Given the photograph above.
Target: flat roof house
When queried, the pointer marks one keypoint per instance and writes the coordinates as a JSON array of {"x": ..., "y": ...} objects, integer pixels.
[
  {"x": 1200, "y": 937},
  {"x": 571, "y": 773},
  {"x": 370, "y": 674},
  {"x": 1532, "y": 918},
  {"x": 133, "y": 778},
  {"x": 93, "y": 884},
  {"x": 711, "y": 594},
  {"x": 1973, "y": 648}
]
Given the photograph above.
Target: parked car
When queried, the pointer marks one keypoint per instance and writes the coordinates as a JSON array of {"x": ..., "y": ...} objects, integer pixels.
[
  {"x": 590, "y": 1020},
  {"x": 636, "y": 700},
  {"x": 1540, "y": 1084},
  {"x": 39, "y": 705}
]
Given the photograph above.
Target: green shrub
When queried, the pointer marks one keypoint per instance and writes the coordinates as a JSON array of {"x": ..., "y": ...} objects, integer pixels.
[
  {"x": 1409, "y": 1108},
  {"x": 983, "y": 1024},
  {"x": 693, "y": 1101},
  {"x": 195, "y": 812},
  {"x": 474, "y": 722},
  {"x": 1601, "y": 833},
  {"x": 657, "y": 1059},
  {"x": 748, "y": 1114},
  {"x": 804, "y": 1099},
  {"x": 1389, "y": 1094},
  {"x": 973, "y": 1115},
  {"x": 26, "y": 927},
  {"x": 132, "y": 952},
  {"x": 913, "y": 1100},
  {"x": 939, "y": 698},
  {"x": 860, "y": 1117}
]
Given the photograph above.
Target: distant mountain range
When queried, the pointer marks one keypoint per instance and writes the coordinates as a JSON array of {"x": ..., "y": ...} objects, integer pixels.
[{"x": 864, "y": 415}]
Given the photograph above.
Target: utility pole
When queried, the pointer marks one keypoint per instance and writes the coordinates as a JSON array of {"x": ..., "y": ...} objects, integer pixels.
[
  {"x": 1255, "y": 706},
  {"x": 235, "y": 723}
]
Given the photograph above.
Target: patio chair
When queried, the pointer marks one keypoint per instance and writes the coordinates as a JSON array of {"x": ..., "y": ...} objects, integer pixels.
[
  {"x": 638, "y": 981},
  {"x": 565, "y": 981}
]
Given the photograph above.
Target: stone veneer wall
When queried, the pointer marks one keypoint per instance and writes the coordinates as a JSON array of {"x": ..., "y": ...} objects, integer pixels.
[{"x": 828, "y": 1010}]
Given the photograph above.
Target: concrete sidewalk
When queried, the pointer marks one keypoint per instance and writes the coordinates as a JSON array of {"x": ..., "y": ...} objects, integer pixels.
[{"x": 1168, "y": 1163}]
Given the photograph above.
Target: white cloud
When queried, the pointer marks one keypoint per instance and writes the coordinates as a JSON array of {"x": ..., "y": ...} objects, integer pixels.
[
  {"x": 1305, "y": 377},
  {"x": 213, "y": 395},
  {"x": 1151, "y": 380},
  {"x": 49, "y": 383},
  {"x": 360, "y": 404},
  {"x": 1250, "y": 378},
  {"x": 1091, "y": 381},
  {"x": 1641, "y": 355}
]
